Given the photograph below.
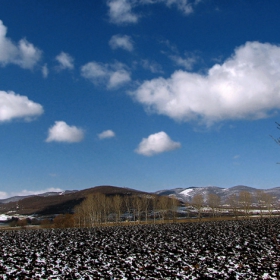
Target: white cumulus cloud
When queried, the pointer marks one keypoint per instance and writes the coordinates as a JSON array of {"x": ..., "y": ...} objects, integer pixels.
[
  {"x": 112, "y": 75},
  {"x": 62, "y": 132},
  {"x": 120, "y": 12},
  {"x": 14, "y": 106},
  {"x": 65, "y": 61},
  {"x": 245, "y": 86},
  {"x": 106, "y": 134},
  {"x": 156, "y": 143},
  {"x": 23, "y": 54},
  {"x": 121, "y": 41}
]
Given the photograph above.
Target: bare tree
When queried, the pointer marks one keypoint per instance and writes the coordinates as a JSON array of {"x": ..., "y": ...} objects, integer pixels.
[
  {"x": 245, "y": 199},
  {"x": 213, "y": 201},
  {"x": 163, "y": 206},
  {"x": 93, "y": 210},
  {"x": 100, "y": 203},
  {"x": 174, "y": 202},
  {"x": 269, "y": 201},
  {"x": 78, "y": 216},
  {"x": 90, "y": 209},
  {"x": 154, "y": 199},
  {"x": 197, "y": 203},
  {"x": 127, "y": 204},
  {"x": 138, "y": 205},
  {"x": 146, "y": 201},
  {"x": 117, "y": 206},
  {"x": 81, "y": 216},
  {"x": 107, "y": 207},
  {"x": 233, "y": 202},
  {"x": 260, "y": 201}
]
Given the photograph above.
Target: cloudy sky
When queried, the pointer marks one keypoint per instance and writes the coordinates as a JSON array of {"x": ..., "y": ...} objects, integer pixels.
[{"x": 145, "y": 94}]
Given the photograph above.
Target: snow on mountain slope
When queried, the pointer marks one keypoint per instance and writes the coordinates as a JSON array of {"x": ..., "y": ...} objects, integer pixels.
[{"x": 187, "y": 194}]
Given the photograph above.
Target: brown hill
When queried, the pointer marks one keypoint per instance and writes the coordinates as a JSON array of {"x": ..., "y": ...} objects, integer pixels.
[{"x": 60, "y": 203}]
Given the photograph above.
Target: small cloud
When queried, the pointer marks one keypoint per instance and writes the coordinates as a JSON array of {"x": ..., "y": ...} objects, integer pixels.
[
  {"x": 45, "y": 71},
  {"x": 23, "y": 54},
  {"x": 65, "y": 61},
  {"x": 156, "y": 143},
  {"x": 106, "y": 134},
  {"x": 118, "y": 78},
  {"x": 112, "y": 75},
  {"x": 62, "y": 132},
  {"x": 3, "y": 195},
  {"x": 121, "y": 42},
  {"x": 151, "y": 66},
  {"x": 14, "y": 106},
  {"x": 120, "y": 12},
  {"x": 236, "y": 157},
  {"x": 184, "y": 6},
  {"x": 187, "y": 62}
]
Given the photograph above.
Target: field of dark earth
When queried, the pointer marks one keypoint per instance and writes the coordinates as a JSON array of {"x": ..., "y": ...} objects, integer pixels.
[{"x": 242, "y": 249}]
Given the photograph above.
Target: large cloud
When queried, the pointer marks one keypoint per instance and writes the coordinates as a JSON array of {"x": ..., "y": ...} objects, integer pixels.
[
  {"x": 156, "y": 143},
  {"x": 113, "y": 75},
  {"x": 23, "y": 54},
  {"x": 62, "y": 132},
  {"x": 13, "y": 106},
  {"x": 121, "y": 41},
  {"x": 245, "y": 86},
  {"x": 65, "y": 61}
]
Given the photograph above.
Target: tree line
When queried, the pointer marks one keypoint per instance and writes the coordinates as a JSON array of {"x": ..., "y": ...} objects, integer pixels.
[
  {"x": 98, "y": 209},
  {"x": 243, "y": 203}
]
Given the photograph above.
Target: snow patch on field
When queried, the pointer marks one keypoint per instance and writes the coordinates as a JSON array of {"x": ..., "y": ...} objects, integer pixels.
[{"x": 4, "y": 217}]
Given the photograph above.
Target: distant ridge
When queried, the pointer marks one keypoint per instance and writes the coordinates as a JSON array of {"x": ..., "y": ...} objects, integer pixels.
[
  {"x": 64, "y": 202},
  {"x": 57, "y": 202},
  {"x": 186, "y": 194},
  {"x": 17, "y": 198}
]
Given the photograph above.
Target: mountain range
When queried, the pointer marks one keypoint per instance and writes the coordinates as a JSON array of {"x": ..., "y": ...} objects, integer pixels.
[
  {"x": 64, "y": 202},
  {"x": 57, "y": 202},
  {"x": 186, "y": 194}
]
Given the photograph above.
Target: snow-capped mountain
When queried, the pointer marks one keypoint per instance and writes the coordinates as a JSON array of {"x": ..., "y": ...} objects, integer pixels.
[
  {"x": 186, "y": 194},
  {"x": 46, "y": 194}
]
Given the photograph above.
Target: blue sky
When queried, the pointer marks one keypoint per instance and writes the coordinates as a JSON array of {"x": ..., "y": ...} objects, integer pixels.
[{"x": 145, "y": 94}]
